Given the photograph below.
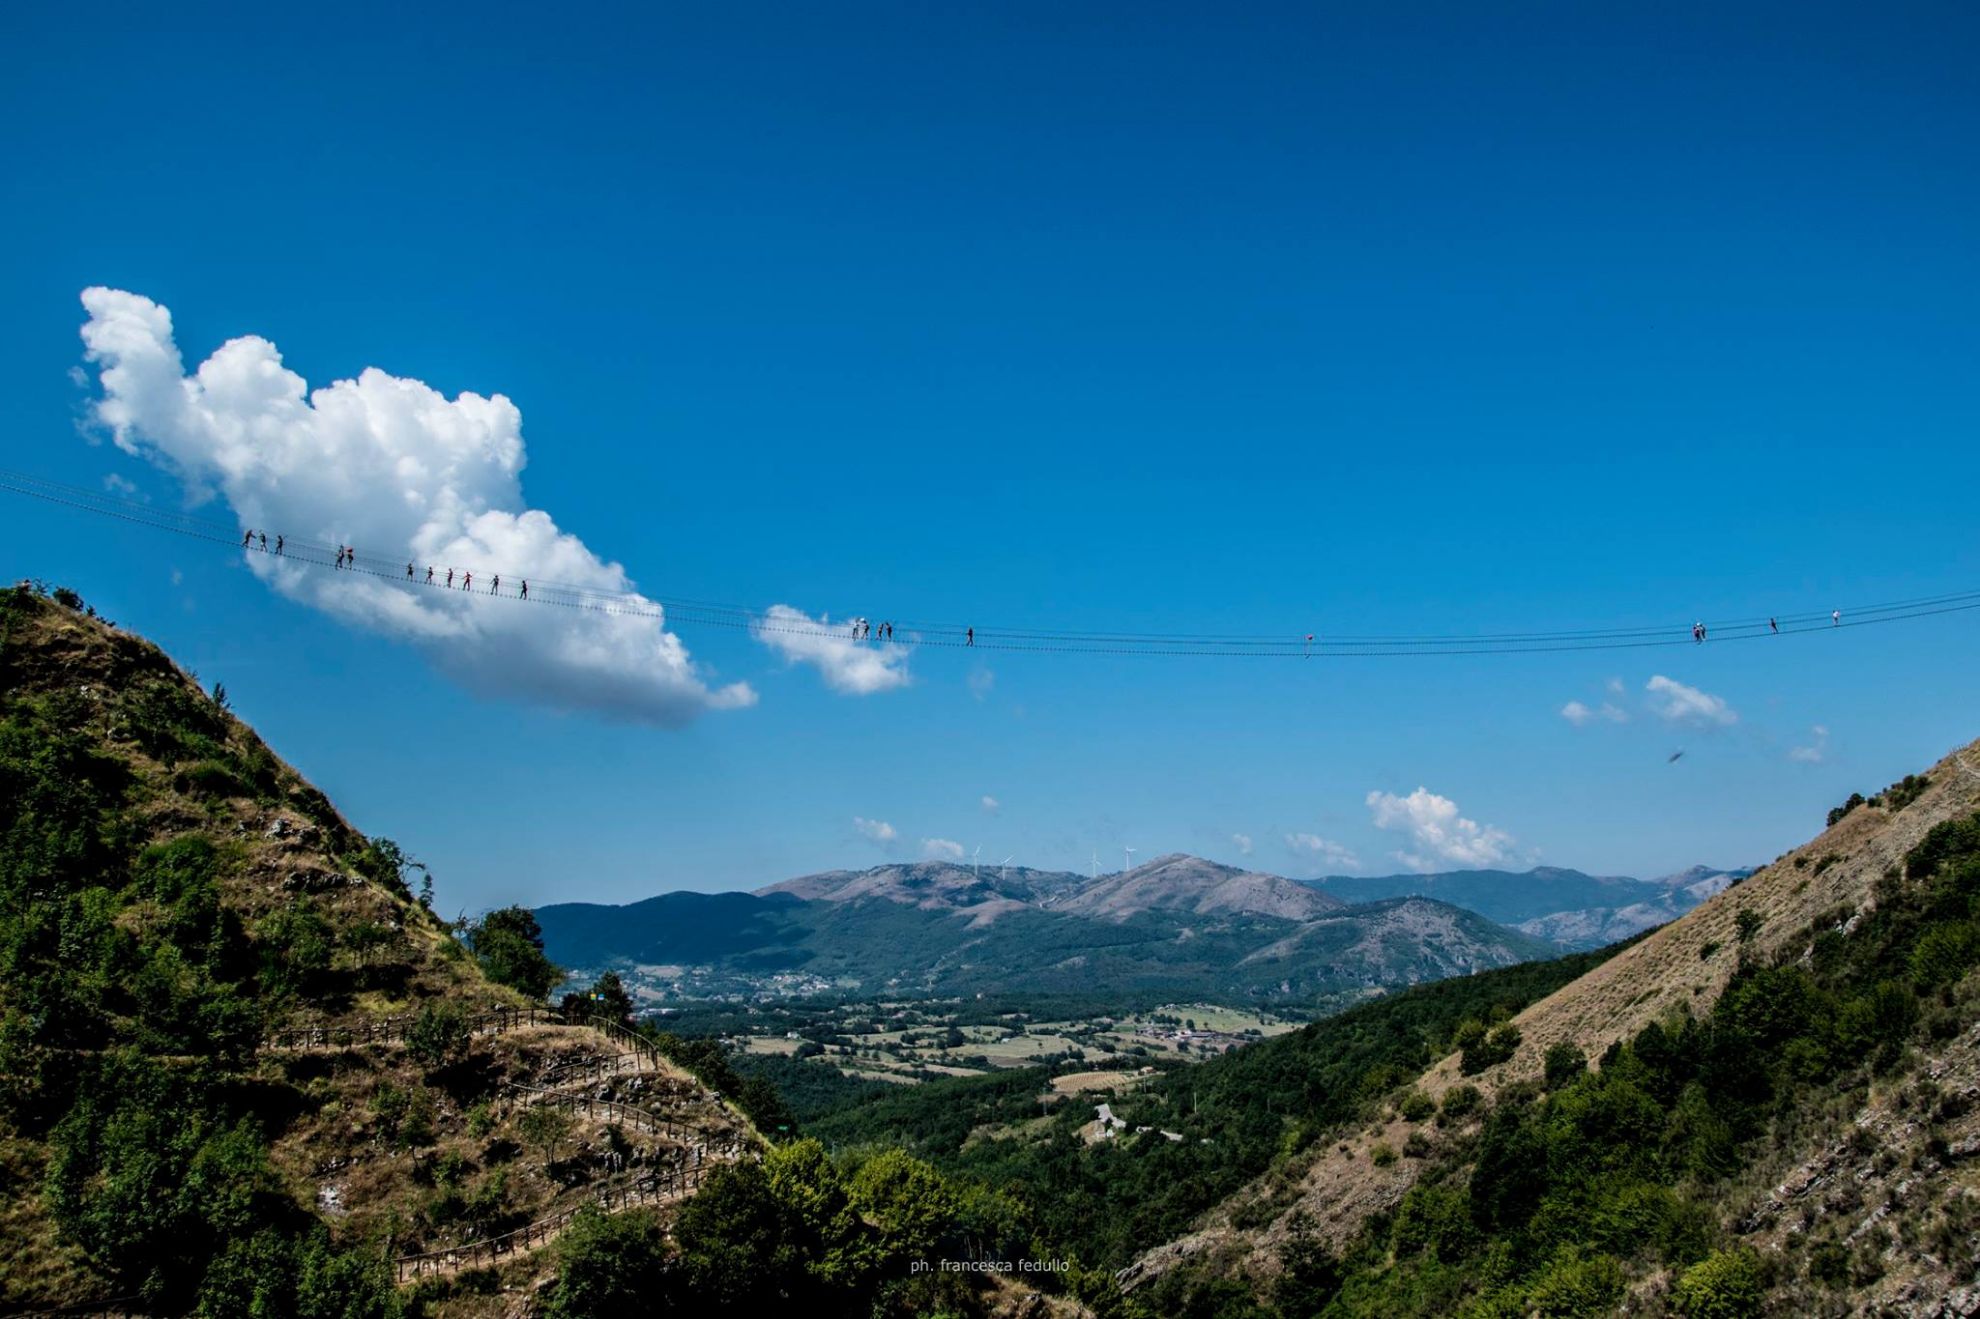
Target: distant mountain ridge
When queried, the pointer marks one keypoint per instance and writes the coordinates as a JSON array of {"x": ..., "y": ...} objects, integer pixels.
[
  {"x": 1570, "y": 908},
  {"x": 1175, "y": 925},
  {"x": 1176, "y": 882}
]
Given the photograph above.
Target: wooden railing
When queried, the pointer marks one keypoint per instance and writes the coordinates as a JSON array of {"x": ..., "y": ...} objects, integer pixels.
[
  {"x": 393, "y": 1030},
  {"x": 613, "y": 1197},
  {"x": 610, "y": 1110},
  {"x": 580, "y": 1070}
]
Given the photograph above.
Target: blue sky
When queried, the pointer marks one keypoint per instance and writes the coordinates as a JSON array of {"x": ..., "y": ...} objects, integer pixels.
[{"x": 1402, "y": 318}]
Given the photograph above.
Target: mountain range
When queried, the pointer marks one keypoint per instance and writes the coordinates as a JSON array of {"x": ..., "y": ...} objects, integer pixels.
[
  {"x": 1177, "y": 925},
  {"x": 1575, "y": 910}
]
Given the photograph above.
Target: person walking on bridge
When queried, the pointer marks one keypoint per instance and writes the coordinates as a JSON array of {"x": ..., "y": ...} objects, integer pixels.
[
  {"x": 495, "y": 587},
  {"x": 525, "y": 588}
]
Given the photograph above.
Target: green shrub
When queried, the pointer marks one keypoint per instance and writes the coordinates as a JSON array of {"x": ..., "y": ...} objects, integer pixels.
[
  {"x": 295, "y": 945},
  {"x": 1574, "y": 1285},
  {"x": 1727, "y": 1284},
  {"x": 1417, "y": 1107},
  {"x": 1565, "y": 1062},
  {"x": 211, "y": 779},
  {"x": 1460, "y": 1101},
  {"x": 440, "y": 1034}
]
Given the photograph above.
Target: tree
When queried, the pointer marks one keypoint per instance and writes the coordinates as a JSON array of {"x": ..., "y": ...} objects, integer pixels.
[
  {"x": 440, "y": 1034},
  {"x": 734, "y": 1245},
  {"x": 610, "y": 1265},
  {"x": 509, "y": 945},
  {"x": 606, "y": 998},
  {"x": 545, "y": 1128}
]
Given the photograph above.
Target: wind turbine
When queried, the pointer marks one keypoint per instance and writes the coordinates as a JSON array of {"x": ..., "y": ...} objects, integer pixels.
[
  {"x": 1127, "y": 859},
  {"x": 1096, "y": 863},
  {"x": 1004, "y": 868},
  {"x": 972, "y": 860}
]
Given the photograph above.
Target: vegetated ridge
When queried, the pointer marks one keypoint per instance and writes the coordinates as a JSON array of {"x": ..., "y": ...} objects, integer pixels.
[{"x": 1770, "y": 1103}]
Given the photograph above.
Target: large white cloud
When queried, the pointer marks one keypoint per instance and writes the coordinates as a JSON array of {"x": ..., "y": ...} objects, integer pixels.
[
  {"x": 857, "y": 668},
  {"x": 394, "y": 468},
  {"x": 1437, "y": 833},
  {"x": 1679, "y": 704}
]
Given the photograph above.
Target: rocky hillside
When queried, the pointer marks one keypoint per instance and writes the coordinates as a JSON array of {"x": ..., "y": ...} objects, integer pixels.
[
  {"x": 1782, "y": 1083},
  {"x": 243, "y": 1067},
  {"x": 1567, "y": 907},
  {"x": 1191, "y": 884}
]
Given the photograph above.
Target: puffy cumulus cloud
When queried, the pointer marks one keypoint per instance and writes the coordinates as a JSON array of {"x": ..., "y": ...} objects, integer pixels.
[
  {"x": 857, "y": 668},
  {"x": 878, "y": 831},
  {"x": 1438, "y": 834},
  {"x": 1323, "y": 850},
  {"x": 1582, "y": 715},
  {"x": 941, "y": 849},
  {"x": 1678, "y": 704},
  {"x": 393, "y": 467},
  {"x": 1242, "y": 842},
  {"x": 1815, "y": 751}
]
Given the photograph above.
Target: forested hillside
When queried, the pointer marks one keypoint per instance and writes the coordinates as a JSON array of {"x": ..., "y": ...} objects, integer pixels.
[
  {"x": 1791, "y": 1126},
  {"x": 246, "y": 1071},
  {"x": 1236, "y": 1114}
]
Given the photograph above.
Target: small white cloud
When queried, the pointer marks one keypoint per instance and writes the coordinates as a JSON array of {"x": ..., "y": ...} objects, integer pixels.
[
  {"x": 1679, "y": 704},
  {"x": 1243, "y": 843},
  {"x": 1581, "y": 715},
  {"x": 941, "y": 849},
  {"x": 1817, "y": 749},
  {"x": 981, "y": 680},
  {"x": 1437, "y": 832},
  {"x": 178, "y": 578},
  {"x": 878, "y": 831},
  {"x": 991, "y": 805},
  {"x": 1323, "y": 850},
  {"x": 119, "y": 485},
  {"x": 1615, "y": 686},
  {"x": 856, "y": 668}
]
